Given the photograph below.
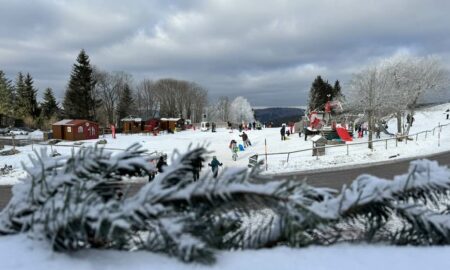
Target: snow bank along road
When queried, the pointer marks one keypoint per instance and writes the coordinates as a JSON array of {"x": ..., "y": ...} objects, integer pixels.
[{"x": 334, "y": 178}]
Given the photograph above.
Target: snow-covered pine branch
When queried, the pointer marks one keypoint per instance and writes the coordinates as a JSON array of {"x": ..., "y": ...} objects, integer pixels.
[
  {"x": 405, "y": 207},
  {"x": 61, "y": 202},
  {"x": 172, "y": 214}
]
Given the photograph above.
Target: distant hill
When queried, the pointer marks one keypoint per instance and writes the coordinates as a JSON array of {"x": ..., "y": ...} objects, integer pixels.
[{"x": 279, "y": 115}]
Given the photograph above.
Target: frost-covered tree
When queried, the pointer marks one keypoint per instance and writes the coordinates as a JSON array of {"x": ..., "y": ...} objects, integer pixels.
[
  {"x": 219, "y": 111},
  {"x": 370, "y": 92},
  {"x": 223, "y": 108},
  {"x": 411, "y": 78},
  {"x": 241, "y": 111}
]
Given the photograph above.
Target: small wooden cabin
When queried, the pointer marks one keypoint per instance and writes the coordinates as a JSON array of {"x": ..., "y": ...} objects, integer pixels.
[
  {"x": 75, "y": 130},
  {"x": 170, "y": 124},
  {"x": 132, "y": 124}
]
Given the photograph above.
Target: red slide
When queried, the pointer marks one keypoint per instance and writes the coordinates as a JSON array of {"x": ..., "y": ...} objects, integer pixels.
[{"x": 343, "y": 134}]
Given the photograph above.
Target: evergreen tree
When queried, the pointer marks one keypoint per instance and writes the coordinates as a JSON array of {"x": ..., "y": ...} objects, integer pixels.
[
  {"x": 6, "y": 95},
  {"x": 125, "y": 106},
  {"x": 337, "y": 91},
  {"x": 79, "y": 101},
  {"x": 318, "y": 94},
  {"x": 321, "y": 92},
  {"x": 20, "y": 96},
  {"x": 49, "y": 105},
  {"x": 30, "y": 101}
]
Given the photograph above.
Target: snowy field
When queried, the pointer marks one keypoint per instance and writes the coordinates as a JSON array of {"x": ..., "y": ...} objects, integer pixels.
[
  {"x": 218, "y": 142},
  {"x": 35, "y": 255}
]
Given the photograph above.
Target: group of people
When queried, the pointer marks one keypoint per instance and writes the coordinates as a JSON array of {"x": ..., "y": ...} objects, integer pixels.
[
  {"x": 285, "y": 132},
  {"x": 234, "y": 145},
  {"x": 196, "y": 166},
  {"x": 248, "y": 126}
]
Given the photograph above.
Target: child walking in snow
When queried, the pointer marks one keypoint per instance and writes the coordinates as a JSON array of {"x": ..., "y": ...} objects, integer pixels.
[
  {"x": 215, "y": 166},
  {"x": 234, "y": 149}
]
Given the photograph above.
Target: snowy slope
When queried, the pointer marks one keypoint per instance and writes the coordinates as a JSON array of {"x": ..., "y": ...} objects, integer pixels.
[
  {"x": 218, "y": 143},
  {"x": 20, "y": 253}
]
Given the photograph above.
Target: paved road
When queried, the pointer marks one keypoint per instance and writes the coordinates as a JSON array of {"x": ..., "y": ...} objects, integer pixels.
[
  {"x": 337, "y": 178},
  {"x": 333, "y": 179}
]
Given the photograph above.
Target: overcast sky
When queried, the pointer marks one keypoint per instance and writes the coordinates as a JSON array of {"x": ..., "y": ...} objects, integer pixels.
[{"x": 267, "y": 51}]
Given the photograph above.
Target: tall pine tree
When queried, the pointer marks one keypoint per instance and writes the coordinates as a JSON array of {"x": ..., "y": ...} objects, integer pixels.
[
  {"x": 49, "y": 105},
  {"x": 79, "y": 101},
  {"x": 321, "y": 91},
  {"x": 30, "y": 101},
  {"x": 337, "y": 91},
  {"x": 6, "y": 96},
  {"x": 20, "y": 103},
  {"x": 125, "y": 106}
]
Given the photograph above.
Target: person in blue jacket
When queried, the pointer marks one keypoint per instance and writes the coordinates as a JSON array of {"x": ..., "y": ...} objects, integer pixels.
[{"x": 215, "y": 166}]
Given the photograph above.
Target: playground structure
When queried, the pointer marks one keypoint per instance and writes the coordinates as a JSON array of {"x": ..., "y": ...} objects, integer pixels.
[{"x": 330, "y": 123}]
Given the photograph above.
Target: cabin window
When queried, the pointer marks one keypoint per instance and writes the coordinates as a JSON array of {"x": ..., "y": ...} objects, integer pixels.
[
  {"x": 80, "y": 129},
  {"x": 69, "y": 129}
]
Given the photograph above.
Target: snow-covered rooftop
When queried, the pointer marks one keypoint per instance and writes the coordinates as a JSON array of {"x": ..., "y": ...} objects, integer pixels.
[
  {"x": 131, "y": 118},
  {"x": 170, "y": 119},
  {"x": 63, "y": 122}
]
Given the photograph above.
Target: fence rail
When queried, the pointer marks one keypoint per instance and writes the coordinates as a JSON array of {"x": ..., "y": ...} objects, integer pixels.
[{"x": 405, "y": 138}]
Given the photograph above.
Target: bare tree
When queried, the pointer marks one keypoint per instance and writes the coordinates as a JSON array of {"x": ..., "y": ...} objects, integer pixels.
[
  {"x": 223, "y": 108},
  {"x": 180, "y": 98},
  {"x": 109, "y": 88},
  {"x": 147, "y": 103}
]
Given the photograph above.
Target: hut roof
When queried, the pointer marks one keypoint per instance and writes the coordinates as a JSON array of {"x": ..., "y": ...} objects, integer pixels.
[
  {"x": 71, "y": 122},
  {"x": 131, "y": 118}
]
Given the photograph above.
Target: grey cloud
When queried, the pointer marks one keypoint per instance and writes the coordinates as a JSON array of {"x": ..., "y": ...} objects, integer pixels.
[{"x": 251, "y": 48}]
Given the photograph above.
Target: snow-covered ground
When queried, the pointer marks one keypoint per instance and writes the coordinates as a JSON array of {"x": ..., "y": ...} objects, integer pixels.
[
  {"x": 218, "y": 142},
  {"x": 18, "y": 252}
]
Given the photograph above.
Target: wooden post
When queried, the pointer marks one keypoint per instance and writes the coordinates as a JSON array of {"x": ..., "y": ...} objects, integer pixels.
[
  {"x": 14, "y": 142},
  {"x": 386, "y": 144},
  {"x": 347, "y": 150},
  {"x": 396, "y": 141},
  {"x": 265, "y": 146},
  {"x": 439, "y": 139}
]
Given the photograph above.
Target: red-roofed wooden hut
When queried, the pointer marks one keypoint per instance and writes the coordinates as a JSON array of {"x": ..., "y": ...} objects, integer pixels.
[{"x": 75, "y": 130}]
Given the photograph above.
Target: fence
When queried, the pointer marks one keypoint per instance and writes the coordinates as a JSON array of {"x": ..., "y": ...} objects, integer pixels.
[{"x": 375, "y": 143}]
